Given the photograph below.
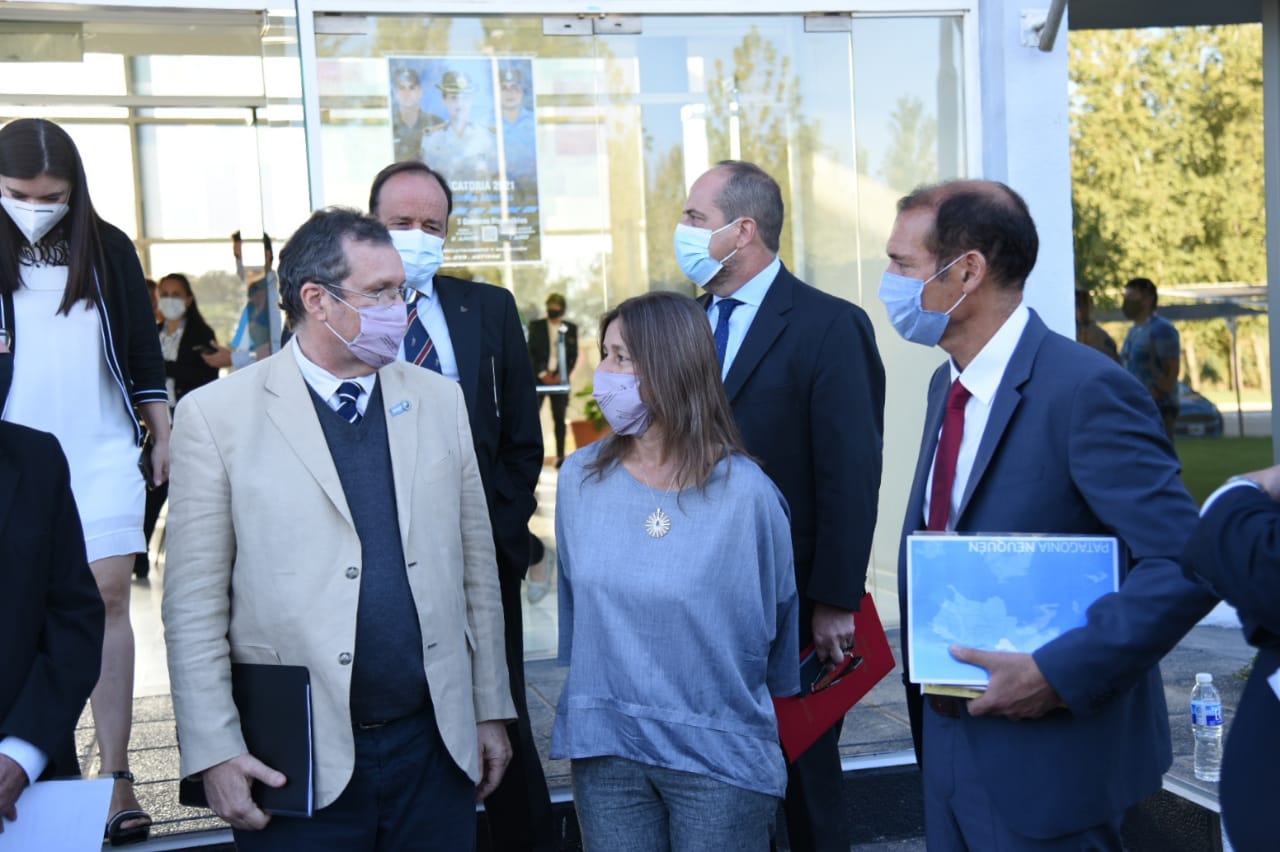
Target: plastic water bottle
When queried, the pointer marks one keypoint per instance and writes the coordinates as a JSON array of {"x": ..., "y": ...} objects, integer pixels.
[{"x": 1206, "y": 724}]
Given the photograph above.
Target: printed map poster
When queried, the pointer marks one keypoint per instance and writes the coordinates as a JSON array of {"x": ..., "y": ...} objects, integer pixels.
[
  {"x": 472, "y": 120},
  {"x": 998, "y": 593}
]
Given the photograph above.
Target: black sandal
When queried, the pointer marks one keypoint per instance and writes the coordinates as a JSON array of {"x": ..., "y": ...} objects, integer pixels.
[{"x": 115, "y": 834}]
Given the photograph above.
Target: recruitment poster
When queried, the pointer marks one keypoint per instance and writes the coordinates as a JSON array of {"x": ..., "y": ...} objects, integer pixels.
[{"x": 472, "y": 120}]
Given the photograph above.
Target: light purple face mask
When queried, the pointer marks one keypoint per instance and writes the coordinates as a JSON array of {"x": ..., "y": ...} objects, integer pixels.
[
  {"x": 382, "y": 328},
  {"x": 619, "y": 398}
]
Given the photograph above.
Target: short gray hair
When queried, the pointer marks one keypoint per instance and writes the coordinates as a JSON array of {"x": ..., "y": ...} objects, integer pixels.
[
  {"x": 751, "y": 192},
  {"x": 315, "y": 253}
]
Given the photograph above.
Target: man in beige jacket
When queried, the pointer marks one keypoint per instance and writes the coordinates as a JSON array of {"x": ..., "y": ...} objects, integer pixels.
[{"x": 326, "y": 511}]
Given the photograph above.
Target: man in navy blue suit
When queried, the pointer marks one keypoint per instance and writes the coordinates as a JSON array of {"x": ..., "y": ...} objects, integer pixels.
[
  {"x": 804, "y": 377},
  {"x": 1236, "y": 549},
  {"x": 1048, "y": 436}
]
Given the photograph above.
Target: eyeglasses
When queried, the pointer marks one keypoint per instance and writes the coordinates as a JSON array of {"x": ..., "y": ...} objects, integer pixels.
[{"x": 385, "y": 296}]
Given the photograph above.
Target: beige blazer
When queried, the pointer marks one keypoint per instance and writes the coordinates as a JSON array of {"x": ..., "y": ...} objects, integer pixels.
[{"x": 263, "y": 560}]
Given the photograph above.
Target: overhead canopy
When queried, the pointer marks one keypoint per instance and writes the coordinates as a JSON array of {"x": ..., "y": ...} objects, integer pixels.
[{"x": 1131, "y": 14}]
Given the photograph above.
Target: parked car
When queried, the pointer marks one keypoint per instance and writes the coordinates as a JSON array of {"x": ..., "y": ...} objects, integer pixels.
[{"x": 1197, "y": 416}]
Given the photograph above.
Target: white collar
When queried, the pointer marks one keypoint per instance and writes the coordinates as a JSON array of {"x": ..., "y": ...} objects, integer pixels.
[
  {"x": 324, "y": 383},
  {"x": 983, "y": 375}
]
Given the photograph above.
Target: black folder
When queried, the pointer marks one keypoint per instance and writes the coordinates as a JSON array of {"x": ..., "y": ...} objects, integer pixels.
[{"x": 275, "y": 718}]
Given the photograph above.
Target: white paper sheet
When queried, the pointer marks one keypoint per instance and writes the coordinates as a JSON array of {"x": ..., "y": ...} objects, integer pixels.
[{"x": 59, "y": 816}]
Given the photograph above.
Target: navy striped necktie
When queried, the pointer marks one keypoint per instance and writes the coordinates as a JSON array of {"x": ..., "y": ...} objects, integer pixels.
[
  {"x": 418, "y": 347},
  {"x": 726, "y": 307},
  {"x": 348, "y": 393}
]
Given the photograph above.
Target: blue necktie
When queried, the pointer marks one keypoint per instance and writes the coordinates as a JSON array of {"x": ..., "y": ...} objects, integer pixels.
[
  {"x": 348, "y": 393},
  {"x": 418, "y": 348},
  {"x": 726, "y": 307}
]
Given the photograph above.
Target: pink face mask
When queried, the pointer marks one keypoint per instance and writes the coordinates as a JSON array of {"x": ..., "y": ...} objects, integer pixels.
[
  {"x": 382, "y": 328},
  {"x": 619, "y": 398}
]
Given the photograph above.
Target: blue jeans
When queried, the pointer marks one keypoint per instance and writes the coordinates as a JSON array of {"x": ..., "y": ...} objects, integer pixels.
[
  {"x": 405, "y": 793},
  {"x": 624, "y": 806}
]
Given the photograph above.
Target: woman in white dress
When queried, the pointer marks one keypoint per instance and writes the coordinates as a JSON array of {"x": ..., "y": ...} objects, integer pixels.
[{"x": 87, "y": 363}]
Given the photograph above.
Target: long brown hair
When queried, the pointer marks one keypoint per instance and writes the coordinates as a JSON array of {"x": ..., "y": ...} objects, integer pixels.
[
  {"x": 670, "y": 343},
  {"x": 31, "y": 148}
]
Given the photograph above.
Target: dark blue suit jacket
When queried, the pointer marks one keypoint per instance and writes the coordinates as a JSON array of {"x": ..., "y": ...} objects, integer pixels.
[
  {"x": 1236, "y": 549},
  {"x": 497, "y": 384},
  {"x": 1072, "y": 445},
  {"x": 807, "y": 391},
  {"x": 51, "y": 614}
]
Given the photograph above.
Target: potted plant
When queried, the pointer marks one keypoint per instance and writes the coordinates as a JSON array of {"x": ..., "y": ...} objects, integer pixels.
[{"x": 592, "y": 426}]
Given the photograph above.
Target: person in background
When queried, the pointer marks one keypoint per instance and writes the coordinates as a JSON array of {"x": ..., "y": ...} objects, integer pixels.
[
  {"x": 259, "y": 332},
  {"x": 410, "y": 123},
  {"x": 804, "y": 377},
  {"x": 461, "y": 148},
  {"x": 470, "y": 332},
  {"x": 155, "y": 300},
  {"x": 1152, "y": 349},
  {"x": 518, "y": 128},
  {"x": 86, "y": 357},
  {"x": 1236, "y": 550},
  {"x": 1088, "y": 331},
  {"x": 184, "y": 338},
  {"x": 678, "y": 607},
  {"x": 545, "y": 339}
]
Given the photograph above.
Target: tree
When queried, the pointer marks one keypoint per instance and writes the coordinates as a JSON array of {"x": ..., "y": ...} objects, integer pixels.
[
  {"x": 1167, "y": 155},
  {"x": 913, "y": 155}
]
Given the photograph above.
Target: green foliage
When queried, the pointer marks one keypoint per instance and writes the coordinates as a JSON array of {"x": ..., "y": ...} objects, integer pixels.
[
  {"x": 591, "y": 410},
  {"x": 913, "y": 155},
  {"x": 1167, "y": 155}
]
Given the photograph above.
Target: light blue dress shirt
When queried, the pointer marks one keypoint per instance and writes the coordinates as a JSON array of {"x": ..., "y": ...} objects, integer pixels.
[{"x": 750, "y": 295}]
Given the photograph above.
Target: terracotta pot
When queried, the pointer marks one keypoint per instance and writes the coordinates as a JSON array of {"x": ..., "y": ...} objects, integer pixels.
[{"x": 584, "y": 432}]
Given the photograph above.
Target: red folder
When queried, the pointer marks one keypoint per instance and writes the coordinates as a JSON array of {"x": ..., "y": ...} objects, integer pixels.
[{"x": 805, "y": 717}]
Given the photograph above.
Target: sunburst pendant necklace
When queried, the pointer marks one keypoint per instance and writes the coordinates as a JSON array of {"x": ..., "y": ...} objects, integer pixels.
[{"x": 658, "y": 523}]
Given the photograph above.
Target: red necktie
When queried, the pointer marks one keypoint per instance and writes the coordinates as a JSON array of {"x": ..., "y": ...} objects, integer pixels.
[{"x": 944, "y": 463}]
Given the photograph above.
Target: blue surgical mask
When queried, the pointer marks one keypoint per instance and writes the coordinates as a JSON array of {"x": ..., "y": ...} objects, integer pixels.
[
  {"x": 422, "y": 254},
  {"x": 902, "y": 299},
  {"x": 693, "y": 252}
]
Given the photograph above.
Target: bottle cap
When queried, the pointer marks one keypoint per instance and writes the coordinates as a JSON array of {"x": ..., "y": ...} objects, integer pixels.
[{"x": 1204, "y": 677}]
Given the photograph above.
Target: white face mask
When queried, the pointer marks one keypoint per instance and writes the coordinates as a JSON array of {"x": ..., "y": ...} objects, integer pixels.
[
  {"x": 34, "y": 220},
  {"x": 173, "y": 308},
  {"x": 422, "y": 254}
]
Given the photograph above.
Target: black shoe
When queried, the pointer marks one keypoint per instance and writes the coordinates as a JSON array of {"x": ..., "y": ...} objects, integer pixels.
[{"x": 559, "y": 461}]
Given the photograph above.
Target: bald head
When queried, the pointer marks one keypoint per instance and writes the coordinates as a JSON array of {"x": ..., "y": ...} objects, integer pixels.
[{"x": 983, "y": 216}]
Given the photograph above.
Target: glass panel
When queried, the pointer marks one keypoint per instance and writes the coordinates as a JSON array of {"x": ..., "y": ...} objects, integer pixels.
[
  {"x": 199, "y": 180},
  {"x": 191, "y": 76},
  {"x": 108, "y": 167},
  {"x": 97, "y": 74},
  {"x": 908, "y": 115}
]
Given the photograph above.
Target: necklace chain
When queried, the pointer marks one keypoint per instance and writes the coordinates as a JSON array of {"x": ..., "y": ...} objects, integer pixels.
[{"x": 658, "y": 523}]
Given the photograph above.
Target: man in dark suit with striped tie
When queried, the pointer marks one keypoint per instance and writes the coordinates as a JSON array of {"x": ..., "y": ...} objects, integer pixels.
[{"x": 471, "y": 333}]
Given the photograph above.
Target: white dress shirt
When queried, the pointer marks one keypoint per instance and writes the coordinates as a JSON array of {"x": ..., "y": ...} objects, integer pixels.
[
  {"x": 982, "y": 379},
  {"x": 31, "y": 759},
  {"x": 750, "y": 295},
  {"x": 326, "y": 384},
  {"x": 431, "y": 312}
]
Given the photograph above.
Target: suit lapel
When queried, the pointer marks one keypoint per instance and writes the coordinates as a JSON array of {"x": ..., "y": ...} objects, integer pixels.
[
  {"x": 462, "y": 315},
  {"x": 402, "y": 410},
  {"x": 290, "y": 408},
  {"x": 769, "y": 323},
  {"x": 1008, "y": 397}
]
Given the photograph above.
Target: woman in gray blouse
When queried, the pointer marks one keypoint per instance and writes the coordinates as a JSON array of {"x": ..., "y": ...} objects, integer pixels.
[{"x": 678, "y": 602}]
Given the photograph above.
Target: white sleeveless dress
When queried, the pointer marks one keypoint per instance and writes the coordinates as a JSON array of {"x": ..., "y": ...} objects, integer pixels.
[{"x": 62, "y": 385}]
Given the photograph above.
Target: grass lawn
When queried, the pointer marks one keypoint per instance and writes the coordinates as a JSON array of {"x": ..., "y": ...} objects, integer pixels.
[{"x": 1207, "y": 462}]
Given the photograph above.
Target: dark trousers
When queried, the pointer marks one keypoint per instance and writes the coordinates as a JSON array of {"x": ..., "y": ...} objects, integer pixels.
[
  {"x": 814, "y": 805},
  {"x": 405, "y": 793},
  {"x": 155, "y": 502},
  {"x": 559, "y": 405},
  {"x": 519, "y": 811}
]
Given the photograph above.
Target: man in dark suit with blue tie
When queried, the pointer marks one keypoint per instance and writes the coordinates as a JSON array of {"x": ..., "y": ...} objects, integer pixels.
[
  {"x": 1030, "y": 432},
  {"x": 804, "y": 377},
  {"x": 1236, "y": 549},
  {"x": 471, "y": 333}
]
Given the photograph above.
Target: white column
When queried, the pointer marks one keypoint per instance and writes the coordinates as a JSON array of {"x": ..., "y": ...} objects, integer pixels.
[{"x": 1026, "y": 144}]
